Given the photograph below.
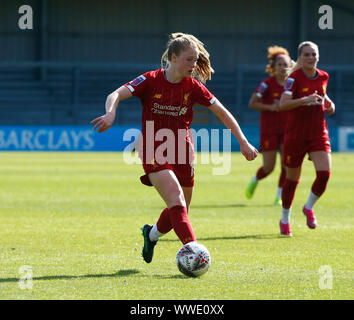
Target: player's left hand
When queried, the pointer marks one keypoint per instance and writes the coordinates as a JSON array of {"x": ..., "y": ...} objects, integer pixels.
[
  {"x": 330, "y": 108},
  {"x": 103, "y": 123}
]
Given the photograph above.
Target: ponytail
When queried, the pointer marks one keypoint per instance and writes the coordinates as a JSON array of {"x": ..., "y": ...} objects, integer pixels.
[
  {"x": 294, "y": 66},
  {"x": 180, "y": 41}
]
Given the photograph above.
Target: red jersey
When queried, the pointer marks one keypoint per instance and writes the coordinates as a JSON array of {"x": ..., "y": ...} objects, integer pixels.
[
  {"x": 167, "y": 110},
  {"x": 271, "y": 122},
  {"x": 307, "y": 121}
]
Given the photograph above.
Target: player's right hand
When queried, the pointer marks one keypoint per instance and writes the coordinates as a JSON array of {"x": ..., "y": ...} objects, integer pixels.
[
  {"x": 103, "y": 123},
  {"x": 274, "y": 107},
  {"x": 248, "y": 151}
]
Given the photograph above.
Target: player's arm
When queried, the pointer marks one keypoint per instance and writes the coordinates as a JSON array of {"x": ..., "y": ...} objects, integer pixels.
[
  {"x": 248, "y": 151},
  {"x": 255, "y": 103},
  {"x": 122, "y": 93},
  {"x": 329, "y": 105},
  {"x": 103, "y": 123},
  {"x": 287, "y": 102}
]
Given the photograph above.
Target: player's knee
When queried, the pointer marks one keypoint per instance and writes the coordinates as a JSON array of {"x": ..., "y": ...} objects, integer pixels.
[
  {"x": 293, "y": 174},
  {"x": 176, "y": 198},
  {"x": 268, "y": 168}
]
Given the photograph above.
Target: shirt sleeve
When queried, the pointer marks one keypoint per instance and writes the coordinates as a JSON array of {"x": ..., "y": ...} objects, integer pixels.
[
  {"x": 202, "y": 95},
  {"x": 290, "y": 86},
  {"x": 261, "y": 89},
  {"x": 138, "y": 85}
]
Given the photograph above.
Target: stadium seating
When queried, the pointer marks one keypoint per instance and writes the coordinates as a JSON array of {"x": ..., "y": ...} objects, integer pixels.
[{"x": 65, "y": 94}]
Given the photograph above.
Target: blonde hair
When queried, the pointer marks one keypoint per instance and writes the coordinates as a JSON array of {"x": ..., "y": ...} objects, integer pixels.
[
  {"x": 273, "y": 53},
  {"x": 297, "y": 65},
  {"x": 180, "y": 41}
]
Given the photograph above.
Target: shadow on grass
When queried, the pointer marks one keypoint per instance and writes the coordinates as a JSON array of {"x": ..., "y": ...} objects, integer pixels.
[
  {"x": 120, "y": 273},
  {"x": 129, "y": 272},
  {"x": 230, "y": 205},
  {"x": 255, "y": 236},
  {"x": 210, "y": 206}
]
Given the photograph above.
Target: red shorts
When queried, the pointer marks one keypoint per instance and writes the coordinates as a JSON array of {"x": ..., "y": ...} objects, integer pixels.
[
  {"x": 271, "y": 142},
  {"x": 183, "y": 172},
  {"x": 294, "y": 151}
]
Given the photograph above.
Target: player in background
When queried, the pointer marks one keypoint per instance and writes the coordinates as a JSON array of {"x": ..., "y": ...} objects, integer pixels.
[
  {"x": 306, "y": 131},
  {"x": 167, "y": 96},
  {"x": 272, "y": 122}
]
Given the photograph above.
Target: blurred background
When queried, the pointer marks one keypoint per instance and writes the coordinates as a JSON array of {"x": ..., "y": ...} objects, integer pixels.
[{"x": 60, "y": 72}]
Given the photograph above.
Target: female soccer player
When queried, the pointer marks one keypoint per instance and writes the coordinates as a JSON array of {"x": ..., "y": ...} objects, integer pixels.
[
  {"x": 167, "y": 96},
  {"x": 306, "y": 131},
  {"x": 272, "y": 122}
]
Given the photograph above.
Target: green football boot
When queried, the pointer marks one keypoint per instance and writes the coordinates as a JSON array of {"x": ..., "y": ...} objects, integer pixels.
[
  {"x": 148, "y": 248},
  {"x": 251, "y": 188}
]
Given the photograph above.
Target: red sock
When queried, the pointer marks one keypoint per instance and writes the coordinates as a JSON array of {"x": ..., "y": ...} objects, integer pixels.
[
  {"x": 181, "y": 224},
  {"x": 282, "y": 177},
  {"x": 261, "y": 174},
  {"x": 164, "y": 223},
  {"x": 320, "y": 183},
  {"x": 288, "y": 193}
]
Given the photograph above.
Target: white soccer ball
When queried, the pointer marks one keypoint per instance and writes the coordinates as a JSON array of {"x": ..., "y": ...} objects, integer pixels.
[{"x": 193, "y": 259}]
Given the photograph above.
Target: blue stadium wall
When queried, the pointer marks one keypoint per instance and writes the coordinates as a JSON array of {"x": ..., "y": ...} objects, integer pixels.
[{"x": 123, "y": 138}]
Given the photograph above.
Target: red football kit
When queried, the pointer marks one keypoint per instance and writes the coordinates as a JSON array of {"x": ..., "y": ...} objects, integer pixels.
[
  {"x": 306, "y": 128},
  {"x": 272, "y": 124},
  {"x": 166, "y": 141}
]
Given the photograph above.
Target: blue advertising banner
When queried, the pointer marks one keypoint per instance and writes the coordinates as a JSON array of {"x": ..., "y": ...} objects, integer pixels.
[
  {"x": 346, "y": 139},
  {"x": 61, "y": 138},
  {"x": 120, "y": 138}
]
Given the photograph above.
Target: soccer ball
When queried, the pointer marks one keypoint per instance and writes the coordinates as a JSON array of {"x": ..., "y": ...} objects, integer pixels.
[{"x": 193, "y": 259}]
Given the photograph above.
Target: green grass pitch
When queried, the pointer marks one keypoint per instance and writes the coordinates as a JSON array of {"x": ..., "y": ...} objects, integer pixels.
[{"x": 74, "y": 219}]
